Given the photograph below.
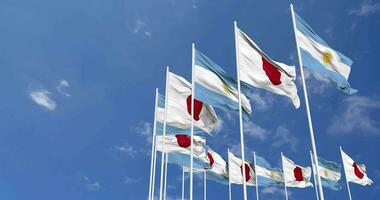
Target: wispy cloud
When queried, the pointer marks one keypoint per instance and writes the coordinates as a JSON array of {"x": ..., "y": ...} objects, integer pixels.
[
  {"x": 130, "y": 180},
  {"x": 365, "y": 9},
  {"x": 255, "y": 131},
  {"x": 316, "y": 83},
  {"x": 261, "y": 101},
  {"x": 283, "y": 137},
  {"x": 145, "y": 129},
  {"x": 140, "y": 27},
  {"x": 91, "y": 185},
  {"x": 126, "y": 149},
  {"x": 355, "y": 115},
  {"x": 219, "y": 126},
  {"x": 274, "y": 190},
  {"x": 61, "y": 86},
  {"x": 42, "y": 98},
  {"x": 329, "y": 32}
]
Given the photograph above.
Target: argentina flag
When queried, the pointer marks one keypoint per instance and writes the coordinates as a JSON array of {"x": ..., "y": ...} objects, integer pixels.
[
  {"x": 267, "y": 175},
  {"x": 318, "y": 56},
  {"x": 330, "y": 174},
  {"x": 215, "y": 87}
]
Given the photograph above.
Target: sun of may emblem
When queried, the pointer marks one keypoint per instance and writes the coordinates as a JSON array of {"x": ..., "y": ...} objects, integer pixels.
[{"x": 327, "y": 57}]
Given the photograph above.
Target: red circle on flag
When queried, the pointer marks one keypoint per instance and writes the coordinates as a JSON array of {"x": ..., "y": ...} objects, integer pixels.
[
  {"x": 357, "y": 171},
  {"x": 197, "y": 107},
  {"x": 210, "y": 158},
  {"x": 183, "y": 140},
  {"x": 247, "y": 170},
  {"x": 272, "y": 72},
  {"x": 298, "y": 174}
]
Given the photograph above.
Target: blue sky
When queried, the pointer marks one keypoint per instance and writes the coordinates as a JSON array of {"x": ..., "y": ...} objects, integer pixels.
[{"x": 77, "y": 88}]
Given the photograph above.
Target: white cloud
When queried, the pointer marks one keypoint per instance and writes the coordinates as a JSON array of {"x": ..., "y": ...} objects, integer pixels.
[
  {"x": 60, "y": 87},
  {"x": 274, "y": 190},
  {"x": 219, "y": 126},
  {"x": 141, "y": 27},
  {"x": 255, "y": 131},
  {"x": 261, "y": 101},
  {"x": 41, "y": 97},
  {"x": 355, "y": 115},
  {"x": 292, "y": 55},
  {"x": 146, "y": 130},
  {"x": 130, "y": 180},
  {"x": 316, "y": 83},
  {"x": 236, "y": 149},
  {"x": 329, "y": 32},
  {"x": 283, "y": 137},
  {"x": 365, "y": 9},
  {"x": 91, "y": 185},
  {"x": 126, "y": 149}
]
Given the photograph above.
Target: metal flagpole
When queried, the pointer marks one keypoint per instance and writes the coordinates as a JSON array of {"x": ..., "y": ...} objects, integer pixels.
[
  {"x": 153, "y": 148},
  {"x": 315, "y": 181},
  {"x": 240, "y": 114},
  {"x": 314, "y": 148},
  {"x": 183, "y": 183},
  {"x": 166, "y": 174},
  {"x": 163, "y": 133},
  {"x": 192, "y": 119},
  {"x": 283, "y": 174},
  {"x": 204, "y": 185},
  {"x": 229, "y": 180},
  {"x": 154, "y": 165},
  {"x": 348, "y": 185},
  {"x": 257, "y": 181}
]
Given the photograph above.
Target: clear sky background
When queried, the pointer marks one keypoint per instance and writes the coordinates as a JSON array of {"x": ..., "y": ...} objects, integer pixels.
[{"x": 77, "y": 84}]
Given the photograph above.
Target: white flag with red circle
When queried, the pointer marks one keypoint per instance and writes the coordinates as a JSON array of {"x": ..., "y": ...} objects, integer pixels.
[
  {"x": 355, "y": 173},
  {"x": 218, "y": 165},
  {"x": 258, "y": 70},
  {"x": 179, "y": 107},
  {"x": 236, "y": 171},
  {"x": 181, "y": 143},
  {"x": 296, "y": 175}
]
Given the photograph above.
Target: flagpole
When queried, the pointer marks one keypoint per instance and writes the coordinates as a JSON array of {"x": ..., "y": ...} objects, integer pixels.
[
  {"x": 204, "y": 185},
  {"x": 154, "y": 163},
  {"x": 229, "y": 180},
  {"x": 315, "y": 181},
  {"x": 166, "y": 174},
  {"x": 183, "y": 183},
  {"x": 348, "y": 185},
  {"x": 314, "y": 148},
  {"x": 153, "y": 147},
  {"x": 283, "y": 174},
  {"x": 240, "y": 114},
  {"x": 164, "y": 133},
  {"x": 192, "y": 120},
  {"x": 257, "y": 181}
]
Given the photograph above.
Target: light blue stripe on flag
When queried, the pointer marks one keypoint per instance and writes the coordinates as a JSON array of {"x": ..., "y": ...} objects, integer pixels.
[
  {"x": 315, "y": 65},
  {"x": 161, "y": 101},
  {"x": 264, "y": 181},
  {"x": 333, "y": 166},
  {"x": 333, "y": 185},
  {"x": 312, "y": 63},
  {"x": 260, "y": 161},
  {"x": 214, "y": 98},
  {"x": 184, "y": 160},
  {"x": 217, "y": 178}
]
